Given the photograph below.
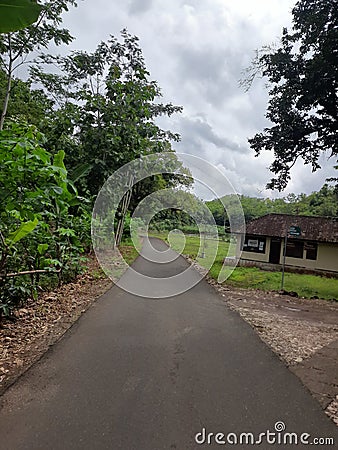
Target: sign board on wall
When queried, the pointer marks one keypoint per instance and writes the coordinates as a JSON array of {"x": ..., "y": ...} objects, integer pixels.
[
  {"x": 254, "y": 244},
  {"x": 295, "y": 231}
]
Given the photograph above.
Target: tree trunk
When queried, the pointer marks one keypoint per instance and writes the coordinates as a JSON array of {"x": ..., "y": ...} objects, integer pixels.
[
  {"x": 124, "y": 209},
  {"x": 8, "y": 87}
]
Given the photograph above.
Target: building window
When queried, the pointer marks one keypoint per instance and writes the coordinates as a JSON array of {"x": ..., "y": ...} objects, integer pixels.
[
  {"x": 311, "y": 250},
  {"x": 294, "y": 248},
  {"x": 254, "y": 244}
]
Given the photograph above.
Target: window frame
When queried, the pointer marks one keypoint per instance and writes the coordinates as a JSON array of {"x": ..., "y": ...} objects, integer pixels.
[
  {"x": 260, "y": 248},
  {"x": 311, "y": 246},
  {"x": 298, "y": 249}
]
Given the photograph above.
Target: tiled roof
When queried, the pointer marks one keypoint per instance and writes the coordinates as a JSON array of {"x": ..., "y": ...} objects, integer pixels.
[{"x": 323, "y": 229}]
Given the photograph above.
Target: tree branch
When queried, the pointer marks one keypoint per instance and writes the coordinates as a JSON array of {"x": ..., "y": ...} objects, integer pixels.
[{"x": 27, "y": 272}]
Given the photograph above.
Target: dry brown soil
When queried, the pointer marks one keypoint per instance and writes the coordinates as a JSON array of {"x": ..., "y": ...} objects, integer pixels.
[{"x": 41, "y": 323}]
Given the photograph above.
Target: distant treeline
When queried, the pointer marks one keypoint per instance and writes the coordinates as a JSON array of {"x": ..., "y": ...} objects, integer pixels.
[{"x": 322, "y": 203}]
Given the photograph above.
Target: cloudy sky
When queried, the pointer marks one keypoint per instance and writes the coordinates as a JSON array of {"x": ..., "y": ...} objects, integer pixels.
[{"x": 197, "y": 50}]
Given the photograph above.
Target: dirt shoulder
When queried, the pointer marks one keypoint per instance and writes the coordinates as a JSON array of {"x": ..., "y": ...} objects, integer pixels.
[
  {"x": 302, "y": 332},
  {"x": 42, "y": 322}
]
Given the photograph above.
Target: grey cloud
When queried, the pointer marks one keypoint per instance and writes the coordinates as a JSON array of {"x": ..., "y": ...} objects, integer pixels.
[
  {"x": 198, "y": 129},
  {"x": 211, "y": 72},
  {"x": 213, "y": 68},
  {"x": 139, "y": 6}
]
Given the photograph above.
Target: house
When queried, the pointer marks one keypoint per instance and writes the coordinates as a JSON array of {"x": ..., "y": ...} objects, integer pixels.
[{"x": 311, "y": 243}]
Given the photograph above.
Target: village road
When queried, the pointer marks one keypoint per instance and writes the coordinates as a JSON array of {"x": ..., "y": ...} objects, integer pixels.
[{"x": 140, "y": 373}]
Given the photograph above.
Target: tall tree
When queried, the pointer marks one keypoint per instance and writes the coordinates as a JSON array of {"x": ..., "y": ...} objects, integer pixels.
[
  {"x": 108, "y": 107},
  {"x": 15, "y": 47},
  {"x": 107, "y": 113},
  {"x": 302, "y": 74}
]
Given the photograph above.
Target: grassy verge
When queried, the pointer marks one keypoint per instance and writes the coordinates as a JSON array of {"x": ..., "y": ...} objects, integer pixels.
[
  {"x": 305, "y": 285},
  {"x": 253, "y": 278},
  {"x": 128, "y": 251}
]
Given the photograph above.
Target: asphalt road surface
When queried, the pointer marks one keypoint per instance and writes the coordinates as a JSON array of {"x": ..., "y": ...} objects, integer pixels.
[{"x": 138, "y": 373}]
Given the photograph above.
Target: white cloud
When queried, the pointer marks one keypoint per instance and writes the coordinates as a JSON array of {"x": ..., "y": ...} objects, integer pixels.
[{"x": 197, "y": 50}]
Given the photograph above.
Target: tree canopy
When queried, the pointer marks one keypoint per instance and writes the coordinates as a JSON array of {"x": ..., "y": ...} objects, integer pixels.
[
  {"x": 302, "y": 78},
  {"x": 106, "y": 106},
  {"x": 15, "y": 47}
]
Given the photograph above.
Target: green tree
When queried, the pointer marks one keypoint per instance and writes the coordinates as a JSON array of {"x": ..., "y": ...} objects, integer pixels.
[
  {"x": 41, "y": 217},
  {"x": 217, "y": 210},
  {"x": 107, "y": 113},
  {"x": 321, "y": 203},
  {"x": 107, "y": 105},
  {"x": 15, "y": 47},
  {"x": 26, "y": 104},
  {"x": 302, "y": 74}
]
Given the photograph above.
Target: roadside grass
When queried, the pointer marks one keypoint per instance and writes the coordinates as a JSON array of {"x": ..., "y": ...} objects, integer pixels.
[
  {"x": 251, "y": 277},
  {"x": 112, "y": 265},
  {"x": 304, "y": 285},
  {"x": 128, "y": 251},
  {"x": 195, "y": 247}
]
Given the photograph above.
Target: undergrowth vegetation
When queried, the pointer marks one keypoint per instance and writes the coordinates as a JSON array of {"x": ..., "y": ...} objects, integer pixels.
[{"x": 44, "y": 223}]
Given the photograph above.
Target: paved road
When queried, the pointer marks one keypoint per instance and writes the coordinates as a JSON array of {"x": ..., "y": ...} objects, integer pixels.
[{"x": 148, "y": 374}]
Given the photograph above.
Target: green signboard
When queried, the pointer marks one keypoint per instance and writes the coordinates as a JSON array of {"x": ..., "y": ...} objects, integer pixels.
[{"x": 294, "y": 231}]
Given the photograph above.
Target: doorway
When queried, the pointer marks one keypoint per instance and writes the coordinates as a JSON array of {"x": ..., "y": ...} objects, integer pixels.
[{"x": 274, "y": 255}]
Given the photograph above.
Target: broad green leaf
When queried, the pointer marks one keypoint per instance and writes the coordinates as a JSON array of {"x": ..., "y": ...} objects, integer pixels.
[
  {"x": 55, "y": 262},
  {"x": 27, "y": 214},
  {"x": 59, "y": 170},
  {"x": 71, "y": 184},
  {"x": 58, "y": 163},
  {"x": 42, "y": 248},
  {"x": 75, "y": 202},
  {"x": 66, "y": 232},
  {"x": 80, "y": 171},
  {"x": 17, "y": 14},
  {"x": 58, "y": 159},
  {"x": 23, "y": 230},
  {"x": 42, "y": 154}
]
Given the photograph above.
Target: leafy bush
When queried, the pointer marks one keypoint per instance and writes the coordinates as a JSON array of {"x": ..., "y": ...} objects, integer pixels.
[{"x": 38, "y": 232}]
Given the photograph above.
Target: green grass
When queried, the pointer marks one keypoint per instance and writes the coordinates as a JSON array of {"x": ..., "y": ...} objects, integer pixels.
[
  {"x": 214, "y": 251},
  {"x": 128, "y": 250},
  {"x": 253, "y": 278},
  {"x": 305, "y": 285}
]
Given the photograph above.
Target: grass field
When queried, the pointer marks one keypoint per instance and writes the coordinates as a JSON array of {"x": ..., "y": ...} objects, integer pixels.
[{"x": 250, "y": 277}]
